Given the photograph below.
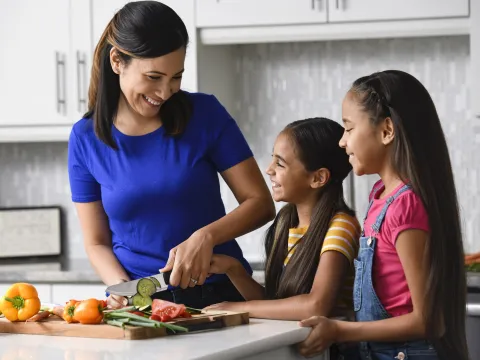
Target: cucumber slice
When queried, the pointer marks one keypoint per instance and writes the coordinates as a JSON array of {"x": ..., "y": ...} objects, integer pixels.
[
  {"x": 156, "y": 282},
  {"x": 139, "y": 300},
  {"x": 146, "y": 287},
  {"x": 144, "y": 308}
]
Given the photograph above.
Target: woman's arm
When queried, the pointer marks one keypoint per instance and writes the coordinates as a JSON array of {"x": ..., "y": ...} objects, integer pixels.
[
  {"x": 328, "y": 282},
  {"x": 255, "y": 209},
  {"x": 98, "y": 242}
]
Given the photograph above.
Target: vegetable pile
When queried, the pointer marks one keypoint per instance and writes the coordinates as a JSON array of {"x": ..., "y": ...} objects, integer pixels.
[
  {"x": 472, "y": 262},
  {"x": 21, "y": 303}
]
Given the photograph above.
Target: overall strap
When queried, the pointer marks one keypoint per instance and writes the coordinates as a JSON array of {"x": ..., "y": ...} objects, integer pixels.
[{"x": 378, "y": 223}]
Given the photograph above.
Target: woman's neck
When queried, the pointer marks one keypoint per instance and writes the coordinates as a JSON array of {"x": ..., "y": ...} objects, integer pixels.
[{"x": 132, "y": 123}]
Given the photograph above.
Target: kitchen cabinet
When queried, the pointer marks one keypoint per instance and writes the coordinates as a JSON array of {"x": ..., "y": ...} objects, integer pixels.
[
  {"x": 46, "y": 75},
  {"x": 218, "y": 13},
  {"x": 34, "y": 38},
  {"x": 44, "y": 291},
  {"x": 61, "y": 293},
  {"x": 475, "y": 58},
  {"x": 375, "y": 10}
]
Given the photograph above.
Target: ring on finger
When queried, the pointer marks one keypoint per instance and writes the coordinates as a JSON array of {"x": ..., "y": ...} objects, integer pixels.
[{"x": 194, "y": 281}]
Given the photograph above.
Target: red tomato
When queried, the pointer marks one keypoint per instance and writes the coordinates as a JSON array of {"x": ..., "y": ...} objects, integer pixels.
[{"x": 167, "y": 310}]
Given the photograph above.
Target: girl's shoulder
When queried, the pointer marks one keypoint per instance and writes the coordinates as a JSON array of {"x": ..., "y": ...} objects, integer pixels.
[{"x": 345, "y": 220}]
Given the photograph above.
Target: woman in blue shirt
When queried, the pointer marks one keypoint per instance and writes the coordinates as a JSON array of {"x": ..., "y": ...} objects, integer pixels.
[{"x": 144, "y": 162}]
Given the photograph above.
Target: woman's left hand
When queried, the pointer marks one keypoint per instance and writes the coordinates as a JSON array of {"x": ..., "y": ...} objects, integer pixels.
[
  {"x": 322, "y": 336},
  {"x": 190, "y": 261},
  {"x": 227, "y": 306}
]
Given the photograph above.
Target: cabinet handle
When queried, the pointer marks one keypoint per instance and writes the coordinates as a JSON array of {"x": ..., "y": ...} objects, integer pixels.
[
  {"x": 337, "y": 4},
  {"x": 81, "y": 81},
  {"x": 319, "y": 2},
  {"x": 61, "y": 93}
]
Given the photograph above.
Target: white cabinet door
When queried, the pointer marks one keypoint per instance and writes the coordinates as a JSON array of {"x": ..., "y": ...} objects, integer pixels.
[
  {"x": 103, "y": 10},
  {"x": 217, "y": 13},
  {"x": 374, "y": 10},
  {"x": 61, "y": 293},
  {"x": 475, "y": 58},
  {"x": 44, "y": 291},
  {"x": 34, "y": 43}
]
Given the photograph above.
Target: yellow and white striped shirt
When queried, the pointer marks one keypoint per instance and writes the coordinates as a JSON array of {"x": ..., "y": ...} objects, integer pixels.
[{"x": 342, "y": 236}]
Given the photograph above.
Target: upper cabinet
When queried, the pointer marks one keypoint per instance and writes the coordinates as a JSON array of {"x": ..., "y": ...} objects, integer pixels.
[
  {"x": 375, "y": 10},
  {"x": 219, "y": 13},
  {"x": 34, "y": 63},
  {"x": 47, "y": 51}
]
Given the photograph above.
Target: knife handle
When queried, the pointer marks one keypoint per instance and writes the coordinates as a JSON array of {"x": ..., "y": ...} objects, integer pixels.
[{"x": 166, "y": 276}]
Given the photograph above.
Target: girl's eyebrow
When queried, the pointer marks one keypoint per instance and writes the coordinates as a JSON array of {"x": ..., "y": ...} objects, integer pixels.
[
  {"x": 346, "y": 121},
  {"x": 280, "y": 158}
]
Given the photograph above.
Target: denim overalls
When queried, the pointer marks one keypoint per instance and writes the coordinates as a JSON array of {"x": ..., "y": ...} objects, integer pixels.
[{"x": 367, "y": 306}]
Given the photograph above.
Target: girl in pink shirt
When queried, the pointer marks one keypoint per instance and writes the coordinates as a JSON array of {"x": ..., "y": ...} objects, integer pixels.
[{"x": 409, "y": 292}]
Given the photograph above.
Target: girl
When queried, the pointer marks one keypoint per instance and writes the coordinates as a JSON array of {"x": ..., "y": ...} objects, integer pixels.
[
  {"x": 313, "y": 240},
  {"x": 409, "y": 294}
]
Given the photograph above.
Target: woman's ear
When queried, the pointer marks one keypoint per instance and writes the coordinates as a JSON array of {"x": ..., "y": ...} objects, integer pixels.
[
  {"x": 388, "y": 131},
  {"x": 320, "y": 178},
  {"x": 115, "y": 61}
]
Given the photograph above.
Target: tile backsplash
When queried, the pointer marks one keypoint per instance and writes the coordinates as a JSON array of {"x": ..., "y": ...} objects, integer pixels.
[{"x": 280, "y": 83}]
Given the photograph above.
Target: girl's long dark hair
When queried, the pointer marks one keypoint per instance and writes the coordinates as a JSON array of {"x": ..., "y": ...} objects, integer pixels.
[
  {"x": 420, "y": 156},
  {"x": 141, "y": 29},
  {"x": 316, "y": 144}
]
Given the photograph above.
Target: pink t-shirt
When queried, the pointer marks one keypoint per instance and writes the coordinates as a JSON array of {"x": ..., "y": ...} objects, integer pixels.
[{"x": 406, "y": 212}]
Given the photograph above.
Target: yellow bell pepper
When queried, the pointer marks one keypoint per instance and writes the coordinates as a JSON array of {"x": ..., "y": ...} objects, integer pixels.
[{"x": 20, "y": 302}]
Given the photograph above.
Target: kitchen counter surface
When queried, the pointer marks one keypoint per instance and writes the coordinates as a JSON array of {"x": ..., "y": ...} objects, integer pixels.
[{"x": 260, "y": 340}]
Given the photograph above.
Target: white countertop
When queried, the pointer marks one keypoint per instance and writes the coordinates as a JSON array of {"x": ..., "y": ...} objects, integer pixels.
[{"x": 229, "y": 343}]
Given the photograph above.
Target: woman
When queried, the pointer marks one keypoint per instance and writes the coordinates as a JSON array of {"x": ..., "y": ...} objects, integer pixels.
[{"x": 144, "y": 164}]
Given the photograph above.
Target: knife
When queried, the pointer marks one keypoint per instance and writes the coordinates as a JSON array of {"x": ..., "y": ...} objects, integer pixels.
[{"x": 129, "y": 288}]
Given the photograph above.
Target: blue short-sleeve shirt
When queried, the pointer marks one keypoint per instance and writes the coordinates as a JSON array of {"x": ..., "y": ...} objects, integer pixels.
[{"x": 158, "y": 189}]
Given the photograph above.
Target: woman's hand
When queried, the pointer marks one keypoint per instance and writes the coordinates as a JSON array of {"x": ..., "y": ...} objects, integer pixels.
[
  {"x": 323, "y": 334},
  {"x": 190, "y": 261},
  {"x": 116, "y": 301},
  {"x": 223, "y": 264}
]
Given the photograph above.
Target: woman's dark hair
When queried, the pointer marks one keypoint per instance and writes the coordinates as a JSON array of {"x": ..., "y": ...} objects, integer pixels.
[
  {"x": 316, "y": 144},
  {"x": 420, "y": 157},
  {"x": 141, "y": 29}
]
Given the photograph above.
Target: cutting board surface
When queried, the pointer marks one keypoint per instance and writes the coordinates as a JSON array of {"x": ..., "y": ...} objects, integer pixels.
[{"x": 55, "y": 326}]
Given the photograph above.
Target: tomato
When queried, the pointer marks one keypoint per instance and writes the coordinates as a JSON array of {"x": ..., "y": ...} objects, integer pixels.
[
  {"x": 167, "y": 310},
  {"x": 139, "y": 313}
]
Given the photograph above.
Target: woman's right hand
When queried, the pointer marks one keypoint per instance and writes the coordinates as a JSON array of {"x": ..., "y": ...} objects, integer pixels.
[{"x": 222, "y": 264}]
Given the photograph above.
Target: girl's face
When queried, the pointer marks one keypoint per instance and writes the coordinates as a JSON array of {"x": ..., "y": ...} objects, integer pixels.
[
  {"x": 291, "y": 182},
  {"x": 363, "y": 142},
  {"x": 147, "y": 83}
]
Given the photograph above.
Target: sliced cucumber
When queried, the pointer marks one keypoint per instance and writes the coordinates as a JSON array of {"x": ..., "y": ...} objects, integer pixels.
[
  {"x": 146, "y": 287},
  {"x": 141, "y": 301},
  {"x": 144, "y": 308},
  {"x": 156, "y": 282}
]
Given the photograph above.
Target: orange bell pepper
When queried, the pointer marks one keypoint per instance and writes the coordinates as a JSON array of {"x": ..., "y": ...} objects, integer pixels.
[
  {"x": 68, "y": 311},
  {"x": 20, "y": 302},
  {"x": 89, "y": 311}
]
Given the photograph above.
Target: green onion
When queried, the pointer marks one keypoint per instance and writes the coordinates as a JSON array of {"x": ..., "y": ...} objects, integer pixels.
[{"x": 116, "y": 323}]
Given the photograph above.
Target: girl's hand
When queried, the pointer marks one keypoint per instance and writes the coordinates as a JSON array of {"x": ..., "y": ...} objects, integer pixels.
[
  {"x": 323, "y": 334},
  {"x": 116, "y": 302},
  {"x": 227, "y": 306},
  {"x": 222, "y": 264},
  {"x": 190, "y": 261}
]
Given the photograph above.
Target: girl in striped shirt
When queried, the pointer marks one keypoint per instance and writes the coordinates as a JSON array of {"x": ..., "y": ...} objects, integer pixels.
[{"x": 311, "y": 244}]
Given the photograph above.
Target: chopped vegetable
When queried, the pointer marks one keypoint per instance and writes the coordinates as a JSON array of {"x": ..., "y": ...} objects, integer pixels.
[
  {"x": 131, "y": 319},
  {"x": 140, "y": 301},
  {"x": 68, "y": 312},
  {"x": 168, "y": 311},
  {"x": 146, "y": 288},
  {"x": 156, "y": 282},
  {"x": 39, "y": 316},
  {"x": 20, "y": 302},
  {"x": 89, "y": 311}
]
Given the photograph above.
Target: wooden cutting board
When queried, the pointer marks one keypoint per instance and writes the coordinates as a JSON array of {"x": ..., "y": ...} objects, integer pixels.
[{"x": 55, "y": 326}]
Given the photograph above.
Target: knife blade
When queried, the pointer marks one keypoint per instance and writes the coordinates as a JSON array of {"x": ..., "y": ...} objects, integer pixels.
[{"x": 129, "y": 288}]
